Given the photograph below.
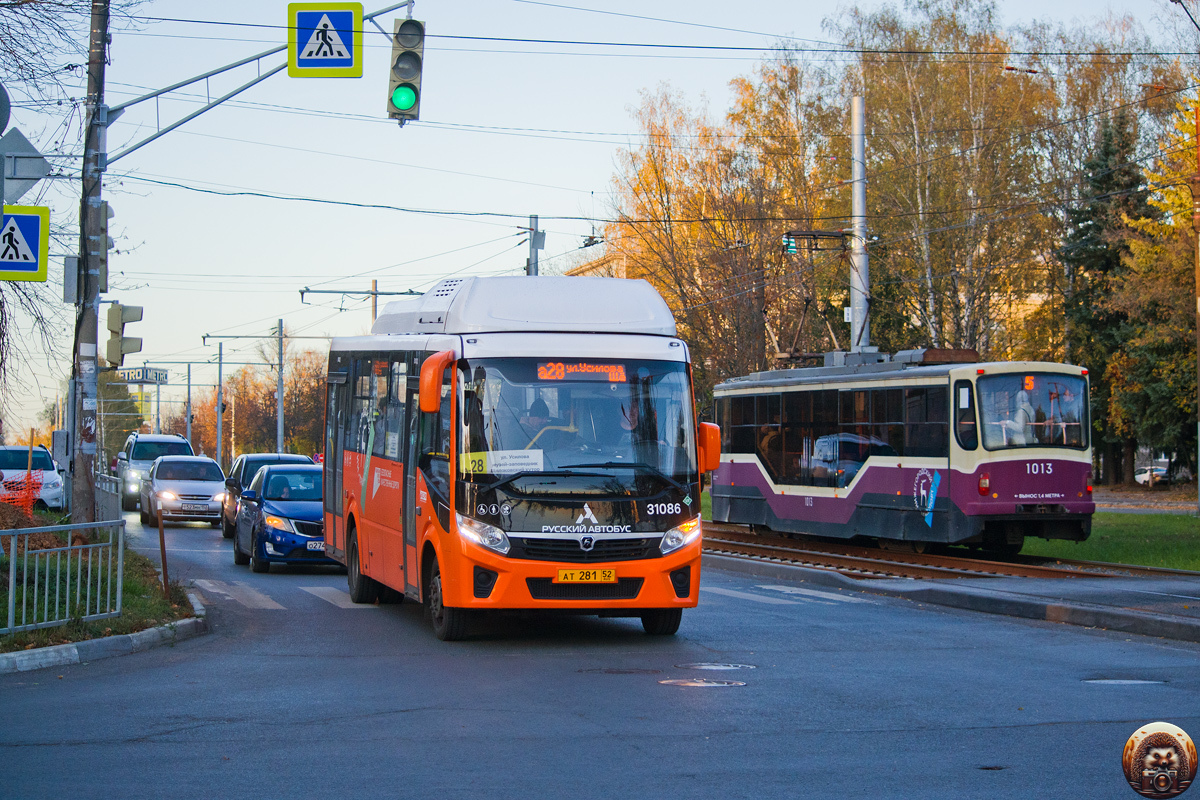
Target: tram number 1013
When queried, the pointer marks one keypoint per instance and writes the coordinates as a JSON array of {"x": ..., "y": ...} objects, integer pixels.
[{"x": 1039, "y": 468}]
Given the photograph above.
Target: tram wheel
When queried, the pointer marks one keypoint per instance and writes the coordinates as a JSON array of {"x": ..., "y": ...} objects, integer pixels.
[
  {"x": 662, "y": 621},
  {"x": 449, "y": 624}
]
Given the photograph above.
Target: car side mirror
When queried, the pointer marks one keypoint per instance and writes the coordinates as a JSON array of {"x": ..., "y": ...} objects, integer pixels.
[
  {"x": 250, "y": 496},
  {"x": 710, "y": 447},
  {"x": 231, "y": 483},
  {"x": 122, "y": 457}
]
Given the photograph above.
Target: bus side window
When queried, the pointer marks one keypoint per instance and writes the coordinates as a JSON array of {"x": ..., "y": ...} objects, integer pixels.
[{"x": 965, "y": 429}]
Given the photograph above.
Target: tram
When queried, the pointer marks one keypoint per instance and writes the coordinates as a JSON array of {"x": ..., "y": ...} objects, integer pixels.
[
  {"x": 518, "y": 443},
  {"x": 925, "y": 447}
]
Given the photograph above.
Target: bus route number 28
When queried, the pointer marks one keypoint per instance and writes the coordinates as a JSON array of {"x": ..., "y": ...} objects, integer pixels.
[
  {"x": 663, "y": 508},
  {"x": 1039, "y": 468}
]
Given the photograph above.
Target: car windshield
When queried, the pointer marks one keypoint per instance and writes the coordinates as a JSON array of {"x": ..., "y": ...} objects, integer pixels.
[
  {"x": 18, "y": 458},
  {"x": 148, "y": 451},
  {"x": 252, "y": 467},
  {"x": 189, "y": 471},
  {"x": 293, "y": 485},
  {"x": 1037, "y": 409},
  {"x": 619, "y": 419}
]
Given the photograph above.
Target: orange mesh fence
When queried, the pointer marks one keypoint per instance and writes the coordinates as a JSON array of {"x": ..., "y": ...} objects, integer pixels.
[{"x": 22, "y": 491}]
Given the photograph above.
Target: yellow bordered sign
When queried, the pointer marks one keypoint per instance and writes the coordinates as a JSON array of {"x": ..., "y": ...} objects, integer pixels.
[
  {"x": 24, "y": 243},
  {"x": 325, "y": 40}
]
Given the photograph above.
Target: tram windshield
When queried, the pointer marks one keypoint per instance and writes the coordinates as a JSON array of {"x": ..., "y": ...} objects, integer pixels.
[
  {"x": 619, "y": 426},
  {"x": 1036, "y": 409}
]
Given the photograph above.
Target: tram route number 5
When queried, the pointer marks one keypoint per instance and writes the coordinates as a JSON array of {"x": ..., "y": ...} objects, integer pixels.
[{"x": 1039, "y": 468}]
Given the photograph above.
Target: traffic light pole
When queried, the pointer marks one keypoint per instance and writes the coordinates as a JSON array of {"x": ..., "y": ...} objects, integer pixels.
[{"x": 83, "y": 491}]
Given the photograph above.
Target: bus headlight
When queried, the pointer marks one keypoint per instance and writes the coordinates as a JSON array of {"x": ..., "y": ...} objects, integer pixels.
[
  {"x": 481, "y": 533},
  {"x": 680, "y": 536}
]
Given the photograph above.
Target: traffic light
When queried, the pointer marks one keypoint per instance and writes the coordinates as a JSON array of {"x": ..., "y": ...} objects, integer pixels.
[
  {"x": 404, "y": 84},
  {"x": 100, "y": 243},
  {"x": 119, "y": 345}
]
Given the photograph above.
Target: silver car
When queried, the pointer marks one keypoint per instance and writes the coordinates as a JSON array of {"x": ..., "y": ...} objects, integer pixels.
[{"x": 183, "y": 489}]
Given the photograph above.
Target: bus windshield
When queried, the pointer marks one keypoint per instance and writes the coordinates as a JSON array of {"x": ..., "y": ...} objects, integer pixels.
[
  {"x": 620, "y": 420},
  {"x": 1038, "y": 409}
]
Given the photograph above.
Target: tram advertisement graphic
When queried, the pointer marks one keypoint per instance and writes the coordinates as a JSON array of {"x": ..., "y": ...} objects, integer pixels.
[
  {"x": 925, "y": 490},
  {"x": 1159, "y": 760}
]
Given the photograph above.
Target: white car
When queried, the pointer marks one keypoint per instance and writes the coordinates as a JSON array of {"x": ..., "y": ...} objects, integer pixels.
[
  {"x": 183, "y": 489},
  {"x": 1151, "y": 475},
  {"x": 14, "y": 460}
]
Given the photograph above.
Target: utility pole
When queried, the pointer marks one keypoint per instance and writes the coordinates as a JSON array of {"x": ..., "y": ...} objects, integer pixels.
[
  {"x": 220, "y": 399},
  {"x": 157, "y": 407},
  {"x": 1196, "y": 225},
  {"x": 374, "y": 301},
  {"x": 91, "y": 248},
  {"x": 537, "y": 240},
  {"x": 860, "y": 277},
  {"x": 189, "y": 406},
  {"x": 279, "y": 395}
]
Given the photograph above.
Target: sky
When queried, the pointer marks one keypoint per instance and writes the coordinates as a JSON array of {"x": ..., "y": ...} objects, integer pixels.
[{"x": 506, "y": 130}]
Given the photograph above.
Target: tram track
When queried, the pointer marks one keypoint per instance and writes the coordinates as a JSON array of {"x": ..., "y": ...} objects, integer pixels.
[{"x": 866, "y": 563}]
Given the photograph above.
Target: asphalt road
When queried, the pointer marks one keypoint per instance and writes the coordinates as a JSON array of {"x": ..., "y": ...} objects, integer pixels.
[{"x": 294, "y": 694}]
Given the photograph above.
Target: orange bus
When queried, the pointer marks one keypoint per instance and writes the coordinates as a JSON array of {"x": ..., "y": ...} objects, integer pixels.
[{"x": 526, "y": 443}]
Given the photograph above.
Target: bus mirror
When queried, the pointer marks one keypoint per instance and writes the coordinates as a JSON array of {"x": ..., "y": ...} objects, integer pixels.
[
  {"x": 710, "y": 447},
  {"x": 431, "y": 380}
]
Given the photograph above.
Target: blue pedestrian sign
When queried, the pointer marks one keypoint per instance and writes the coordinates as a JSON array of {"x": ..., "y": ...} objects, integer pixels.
[
  {"x": 325, "y": 40},
  {"x": 24, "y": 243}
]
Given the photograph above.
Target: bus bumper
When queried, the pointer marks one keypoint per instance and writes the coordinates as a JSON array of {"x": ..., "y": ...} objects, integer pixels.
[{"x": 482, "y": 579}]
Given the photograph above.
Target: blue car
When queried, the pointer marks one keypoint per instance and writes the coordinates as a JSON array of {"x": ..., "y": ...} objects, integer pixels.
[{"x": 279, "y": 519}]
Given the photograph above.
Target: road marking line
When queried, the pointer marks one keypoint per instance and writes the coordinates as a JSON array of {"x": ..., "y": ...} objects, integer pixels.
[
  {"x": 241, "y": 593},
  {"x": 758, "y": 598},
  {"x": 335, "y": 596},
  {"x": 841, "y": 598},
  {"x": 1165, "y": 594}
]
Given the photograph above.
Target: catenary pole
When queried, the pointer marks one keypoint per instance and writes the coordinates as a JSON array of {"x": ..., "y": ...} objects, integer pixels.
[
  {"x": 279, "y": 396},
  {"x": 531, "y": 267},
  {"x": 189, "y": 406},
  {"x": 220, "y": 400},
  {"x": 83, "y": 491},
  {"x": 1196, "y": 225},
  {"x": 860, "y": 276}
]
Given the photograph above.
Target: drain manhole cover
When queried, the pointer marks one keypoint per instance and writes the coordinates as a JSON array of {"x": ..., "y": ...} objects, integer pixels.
[
  {"x": 617, "y": 671},
  {"x": 715, "y": 666},
  {"x": 700, "y": 682}
]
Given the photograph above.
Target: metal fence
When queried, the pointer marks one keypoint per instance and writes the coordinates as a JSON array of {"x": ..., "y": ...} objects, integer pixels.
[
  {"x": 49, "y": 582},
  {"x": 108, "y": 497}
]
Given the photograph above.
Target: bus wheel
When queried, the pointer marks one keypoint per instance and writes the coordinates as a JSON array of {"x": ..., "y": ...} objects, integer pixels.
[
  {"x": 362, "y": 589},
  {"x": 662, "y": 621},
  {"x": 449, "y": 624}
]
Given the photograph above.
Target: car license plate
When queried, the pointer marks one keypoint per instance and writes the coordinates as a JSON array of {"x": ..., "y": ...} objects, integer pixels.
[
  {"x": 317, "y": 545},
  {"x": 586, "y": 576},
  {"x": 195, "y": 507}
]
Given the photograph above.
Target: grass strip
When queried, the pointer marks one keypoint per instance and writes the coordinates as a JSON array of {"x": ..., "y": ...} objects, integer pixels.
[{"x": 1148, "y": 540}]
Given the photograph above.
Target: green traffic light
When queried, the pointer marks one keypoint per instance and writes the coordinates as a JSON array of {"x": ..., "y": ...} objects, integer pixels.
[{"x": 404, "y": 98}]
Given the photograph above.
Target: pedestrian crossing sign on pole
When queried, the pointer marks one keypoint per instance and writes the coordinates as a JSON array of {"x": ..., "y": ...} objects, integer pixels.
[
  {"x": 325, "y": 40},
  {"x": 24, "y": 243}
]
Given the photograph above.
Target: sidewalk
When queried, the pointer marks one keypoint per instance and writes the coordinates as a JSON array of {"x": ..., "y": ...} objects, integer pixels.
[
  {"x": 1168, "y": 500},
  {"x": 1164, "y": 607}
]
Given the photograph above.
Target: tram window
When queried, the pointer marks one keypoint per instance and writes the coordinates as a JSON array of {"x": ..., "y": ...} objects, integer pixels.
[
  {"x": 723, "y": 422},
  {"x": 797, "y": 408},
  {"x": 856, "y": 406},
  {"x": 825, "y": 407},
  {"x": 742, "y": 439},
  {"x": 965, "y": 429},
  {"x": 894, "y": 436},
  {"x": 760, "y": 411},
  {"x": 737, "y": 410},
  {"x": 878, "y": 406},
  {"x": 894, "y": 400}
]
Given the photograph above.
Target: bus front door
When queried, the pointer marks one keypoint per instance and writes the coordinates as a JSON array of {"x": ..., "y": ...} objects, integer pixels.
[{"x": 412, "y": 577}]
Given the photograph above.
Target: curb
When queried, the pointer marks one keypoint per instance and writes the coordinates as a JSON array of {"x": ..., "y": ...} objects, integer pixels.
[
  {"x": 108, "y": 646},
  {"x": 970, "y": 598}
]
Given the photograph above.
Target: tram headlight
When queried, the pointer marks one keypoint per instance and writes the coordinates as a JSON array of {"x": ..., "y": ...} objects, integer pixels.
[
  {"x": 680, "y": 536},
  {"x": 482, "y": 534}
]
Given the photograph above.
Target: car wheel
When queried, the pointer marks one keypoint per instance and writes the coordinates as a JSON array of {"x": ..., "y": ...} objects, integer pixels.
[
  {"x": 239, "y": 558},
  {"x": 449, "y": 624},
  {"x": 143, "y": 516},
  {"x": 662, "y": 621},
  {"x": 227, "y": 530},
  {"x": 216, "y": 523},
  {"x": 257, "y": 564},
  {"x": 128, "y": 503},
  {"x": 362, "y": 588}
]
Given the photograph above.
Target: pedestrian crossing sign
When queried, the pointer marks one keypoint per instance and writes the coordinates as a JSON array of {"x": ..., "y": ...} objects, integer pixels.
[
  {"x": 24, "y": 243},
  {"x": 325, "y": 40}
]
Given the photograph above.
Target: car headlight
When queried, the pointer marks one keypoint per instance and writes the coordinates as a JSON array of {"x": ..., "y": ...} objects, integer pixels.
[
  {"x": 481, "y": 533},
  {"x": 165, "y": 495},
  {"x": 278, "y": 523},
  {"x": 219, "y": 497},
  {"x": 132, "y": 474},
  {"x": 680, "y": 536}
]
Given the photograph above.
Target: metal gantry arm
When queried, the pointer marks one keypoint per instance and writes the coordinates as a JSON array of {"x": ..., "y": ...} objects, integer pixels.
[{"x": 115, "y": 111}]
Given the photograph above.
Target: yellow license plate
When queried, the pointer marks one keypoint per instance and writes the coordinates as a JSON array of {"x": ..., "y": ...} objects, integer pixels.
[{"x": 586, "y": 576}]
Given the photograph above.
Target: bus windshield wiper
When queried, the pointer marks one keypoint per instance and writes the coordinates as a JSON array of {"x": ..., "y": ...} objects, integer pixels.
[
  {"x": 552, "y": 473},
  {"x": 638, "y": 465}
]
